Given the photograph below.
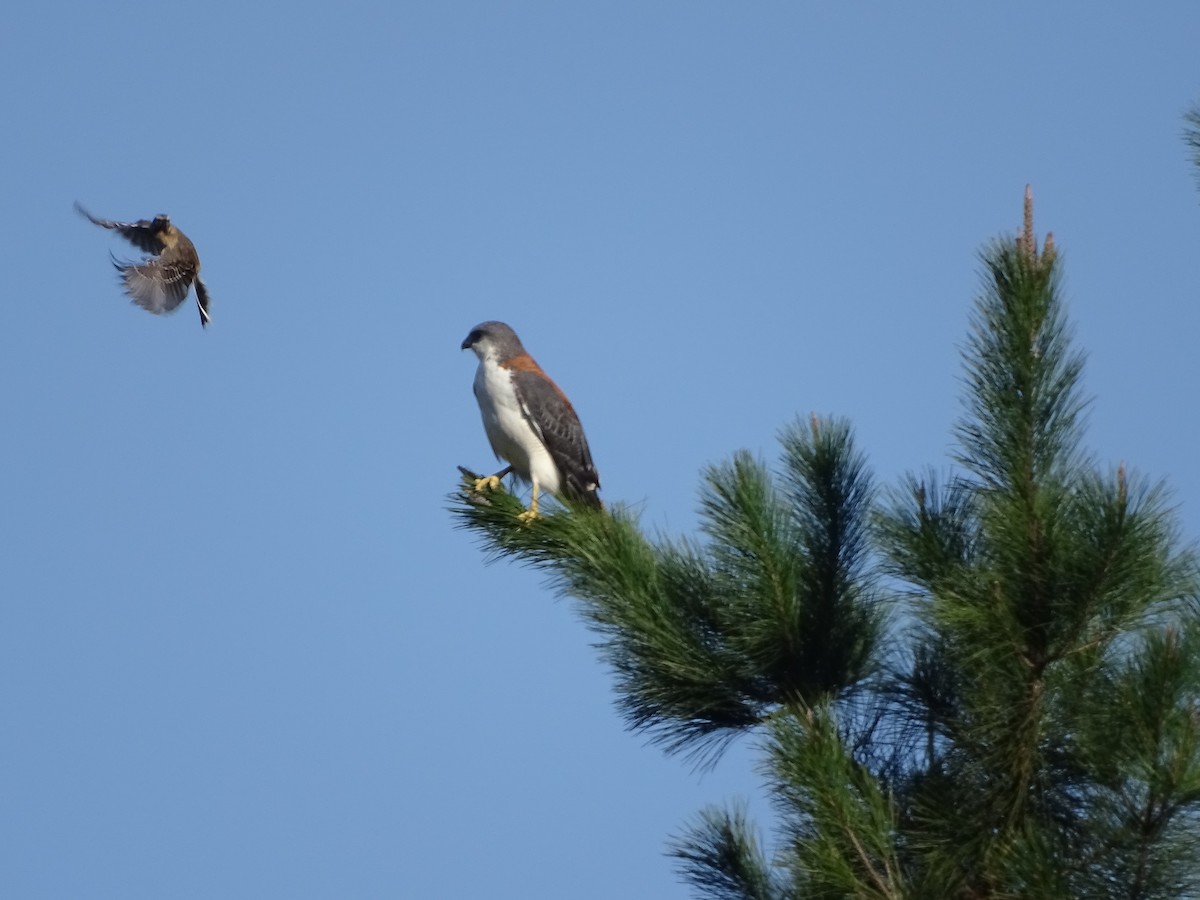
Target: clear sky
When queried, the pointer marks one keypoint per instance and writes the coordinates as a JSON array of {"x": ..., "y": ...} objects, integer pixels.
[{"x": 243, "y": 651}]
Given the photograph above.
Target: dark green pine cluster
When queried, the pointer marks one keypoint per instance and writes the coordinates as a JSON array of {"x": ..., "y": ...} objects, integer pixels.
[{"x": 979, "y": 685}]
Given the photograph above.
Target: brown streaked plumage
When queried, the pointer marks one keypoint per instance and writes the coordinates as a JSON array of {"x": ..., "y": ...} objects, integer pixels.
[{"x": 161, "y": 282}]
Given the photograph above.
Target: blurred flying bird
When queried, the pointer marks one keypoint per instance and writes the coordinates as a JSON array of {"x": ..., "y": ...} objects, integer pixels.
[{"x": 160, "y": 282}]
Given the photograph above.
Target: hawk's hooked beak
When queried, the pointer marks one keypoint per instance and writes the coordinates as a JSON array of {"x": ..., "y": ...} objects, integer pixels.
[{"x": 466, "y": 344}]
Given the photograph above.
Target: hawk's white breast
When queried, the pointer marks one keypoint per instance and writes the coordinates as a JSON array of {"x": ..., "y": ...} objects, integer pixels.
[{"x": 512, "y": 438}]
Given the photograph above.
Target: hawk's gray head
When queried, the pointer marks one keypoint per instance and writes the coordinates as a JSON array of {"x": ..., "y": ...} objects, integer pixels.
[{"x": 493, "y": 340}]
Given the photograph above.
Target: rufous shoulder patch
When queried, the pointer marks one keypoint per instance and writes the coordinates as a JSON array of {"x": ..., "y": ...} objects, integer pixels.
[{"x": 523, "y": 362}]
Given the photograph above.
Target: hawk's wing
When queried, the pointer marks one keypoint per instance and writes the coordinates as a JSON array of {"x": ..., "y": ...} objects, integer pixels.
[
  {"x": 143, "y": 234},
  {"x": 553, "y": 418},
  {"x": 155, "y": 285}
]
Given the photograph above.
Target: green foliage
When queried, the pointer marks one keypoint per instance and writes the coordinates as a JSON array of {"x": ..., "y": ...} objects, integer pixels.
[
  {"x": 840, "y": 825},
  {"x": 707, "y": 641},
  {"x": 721, "y": 858},
  {"x": 1035, "y": 578},
  {"x": 1019, "y": 717}
]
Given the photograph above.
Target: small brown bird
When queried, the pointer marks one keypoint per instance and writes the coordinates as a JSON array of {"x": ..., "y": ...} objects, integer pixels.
[{"x": 160, "y": 282}]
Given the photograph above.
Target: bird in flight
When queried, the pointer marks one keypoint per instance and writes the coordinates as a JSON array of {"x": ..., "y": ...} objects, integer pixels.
[
  {"x": 160, "y": 282},
  {"x": 529, "y": 421}
]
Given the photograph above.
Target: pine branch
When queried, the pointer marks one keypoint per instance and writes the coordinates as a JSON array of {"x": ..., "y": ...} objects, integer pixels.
[
  {"x": 1032, "y": 577},
  {"x": 1143, "y": 742},
  {"x": 721, "y": 859},
  {"x": 829, "y": 493},
  {"x": 655, "y": 608},
  {"x": 842, "y": 825},
  {"x": 1023, "y": 417},
  {"x": 706, "y": 641},
  {"x": 789, "y": 557}
]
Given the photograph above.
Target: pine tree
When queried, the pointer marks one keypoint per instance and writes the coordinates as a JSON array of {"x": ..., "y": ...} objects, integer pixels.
[{"x": 979, "y": 685}]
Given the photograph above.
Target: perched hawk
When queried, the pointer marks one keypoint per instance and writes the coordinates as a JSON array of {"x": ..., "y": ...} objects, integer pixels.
[
  {"x": 161, "y": 282},
  {"x": 529, "y": 422}
]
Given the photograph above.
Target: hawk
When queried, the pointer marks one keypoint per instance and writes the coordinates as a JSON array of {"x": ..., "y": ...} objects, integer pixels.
[
  {"x": 160, "y": 282},
  {"x": 530, "y": 423}
]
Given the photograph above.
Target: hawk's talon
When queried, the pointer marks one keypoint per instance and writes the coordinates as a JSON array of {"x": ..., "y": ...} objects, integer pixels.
[
  {"x": 528, "y": 516},
  {"x": 488, "y": 483}
]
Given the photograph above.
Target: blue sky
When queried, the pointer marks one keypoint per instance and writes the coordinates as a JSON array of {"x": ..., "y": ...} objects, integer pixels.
[{"x": 243, "y": 651}]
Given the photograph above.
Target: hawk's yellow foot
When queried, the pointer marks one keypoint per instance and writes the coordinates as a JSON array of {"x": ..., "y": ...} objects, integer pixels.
[
  {"x": 487, "y": 483},
  {"x": 530, "y": 514}
]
